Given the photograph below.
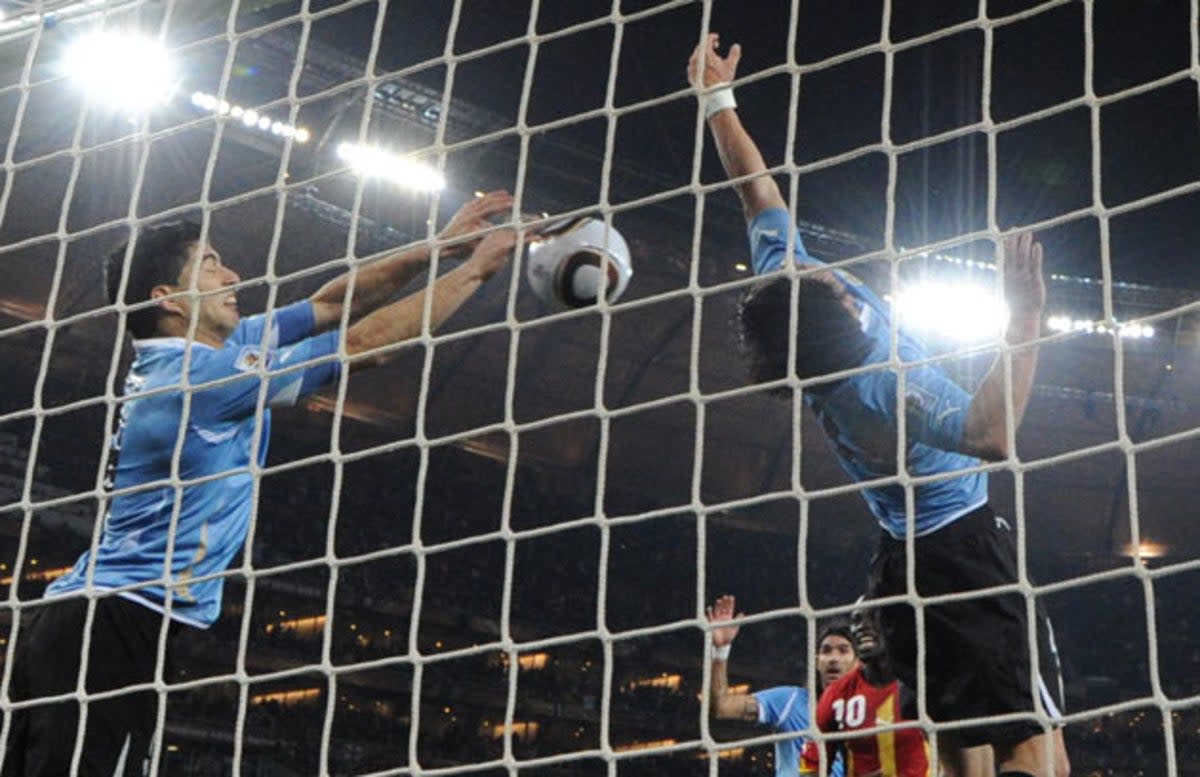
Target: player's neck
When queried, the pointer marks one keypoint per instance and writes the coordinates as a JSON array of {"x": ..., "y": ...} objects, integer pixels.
[
  {"x": 176, "y": 327},
  {"x": 878, "y": 672}
]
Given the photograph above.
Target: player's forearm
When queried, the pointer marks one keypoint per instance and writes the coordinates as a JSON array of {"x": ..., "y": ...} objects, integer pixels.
[
  {"x": 401, "y": 320},
  {"x": 740, "y": 157},
  {"x": 724, "y": 705},
  {"x": 720, "y": 678},
  {"x": 374, "y": 284},
  {"x": 719, "y": 688},
  {"x": 986, "y": 433}
]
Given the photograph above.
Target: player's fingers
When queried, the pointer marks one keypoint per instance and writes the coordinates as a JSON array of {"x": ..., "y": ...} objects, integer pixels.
[
  {"x": 482, "y": 199},
  {"x": 493, "y": 203},
  {"x": 1038, "y": 255},
  {"x": 735, "y": 55},
  {"x": 1014, "y": 256}
]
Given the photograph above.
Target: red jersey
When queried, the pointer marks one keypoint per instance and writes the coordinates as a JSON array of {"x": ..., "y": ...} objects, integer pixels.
[{"x": 851, "y": 704}]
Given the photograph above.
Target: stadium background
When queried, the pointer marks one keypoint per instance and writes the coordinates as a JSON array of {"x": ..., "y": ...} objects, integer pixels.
[{"x": 1077, "y": 511}]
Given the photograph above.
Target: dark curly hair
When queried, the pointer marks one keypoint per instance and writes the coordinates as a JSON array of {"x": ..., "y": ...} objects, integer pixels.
[
  {"x": 158, "y": 257},
  {"x": 839, "y": 627},
  {"x": 828, "y": 339}
]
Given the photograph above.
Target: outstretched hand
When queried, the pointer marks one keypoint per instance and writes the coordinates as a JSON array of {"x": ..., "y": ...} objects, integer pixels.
[
  {"x": 471, "y": 219},
  {"x": 721, "y": 613},
  {"x": 716, "y": 69},
  {"x": 492, "y": 253},
  {"x": 1024, "y": 286}
]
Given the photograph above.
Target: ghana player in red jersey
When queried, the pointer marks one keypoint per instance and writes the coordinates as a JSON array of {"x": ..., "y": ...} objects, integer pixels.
[{"x": 867, "y": 697}]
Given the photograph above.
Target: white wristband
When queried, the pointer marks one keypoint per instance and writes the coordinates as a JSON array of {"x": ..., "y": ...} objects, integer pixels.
[
  {"x": 718, "y": 101},
  {"x": 722, "y": 653}
]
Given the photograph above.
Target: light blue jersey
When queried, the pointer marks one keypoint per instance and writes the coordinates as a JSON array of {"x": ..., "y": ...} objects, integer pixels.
[
  {"x": 785, "y": 709},
  {"x": 219, "y": 441},
  {"x": 859, "y": 414}
]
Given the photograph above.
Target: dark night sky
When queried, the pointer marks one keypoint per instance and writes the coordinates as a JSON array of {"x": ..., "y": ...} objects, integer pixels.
[{"x": 1149, "y": 142}]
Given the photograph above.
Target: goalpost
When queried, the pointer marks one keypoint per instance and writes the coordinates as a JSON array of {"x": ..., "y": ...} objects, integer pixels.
[{"x": 279, "y": 128}]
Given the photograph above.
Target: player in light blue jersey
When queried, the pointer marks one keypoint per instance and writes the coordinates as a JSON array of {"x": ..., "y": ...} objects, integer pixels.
[
  {"x": 836, "y": 325},
  {"x": 784, "y": 708},
  {"x": 190, "y": 431}
]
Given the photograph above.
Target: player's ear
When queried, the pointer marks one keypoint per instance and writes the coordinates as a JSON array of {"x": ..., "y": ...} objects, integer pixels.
[{"x": 168, "y": 304}]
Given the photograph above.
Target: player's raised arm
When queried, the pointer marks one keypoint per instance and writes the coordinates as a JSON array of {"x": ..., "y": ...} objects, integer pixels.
[
  {"x": 985, "y": 434},
  {"x": 740, "y": 156},
  {"x": 726, "y": 705},
  {"x": 401, "y": 320},
  {"x": 378, "y": 281}
]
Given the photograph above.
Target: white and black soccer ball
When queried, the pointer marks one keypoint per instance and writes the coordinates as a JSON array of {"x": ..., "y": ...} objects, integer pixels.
[{"x": 571, "y": 264}]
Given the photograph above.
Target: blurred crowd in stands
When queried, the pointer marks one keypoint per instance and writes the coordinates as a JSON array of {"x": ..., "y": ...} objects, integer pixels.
[{"x": 340, "y": 682}]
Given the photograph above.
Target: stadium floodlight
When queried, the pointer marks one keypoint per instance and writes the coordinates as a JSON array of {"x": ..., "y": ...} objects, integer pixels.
[
  {"x": 956, "y": 311},
  {"x": 400, "y": 170},
  {"x": 1127, "y": 330},
  {"x": 1146, "y": 549},
  {"x": 249, "y": 117},
  {"x": 123, "y": 71}
]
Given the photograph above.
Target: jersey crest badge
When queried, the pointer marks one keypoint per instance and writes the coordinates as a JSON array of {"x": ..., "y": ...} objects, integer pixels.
[{"x": 250, "y": 357}]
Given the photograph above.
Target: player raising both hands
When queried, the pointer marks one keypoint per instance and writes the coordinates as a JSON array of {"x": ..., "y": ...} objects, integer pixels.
[{"x": 831, "y": 324}]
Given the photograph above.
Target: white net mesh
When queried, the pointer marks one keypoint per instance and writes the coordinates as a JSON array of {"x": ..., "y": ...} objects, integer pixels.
[{"x": 494, "y": 553}]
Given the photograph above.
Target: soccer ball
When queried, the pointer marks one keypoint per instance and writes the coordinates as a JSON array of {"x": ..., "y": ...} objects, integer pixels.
[{"x": 570, "y": 263}]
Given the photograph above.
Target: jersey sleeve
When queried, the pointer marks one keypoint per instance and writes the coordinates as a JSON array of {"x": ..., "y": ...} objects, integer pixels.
[
  {"x": 289, "y": 324},
  {"x": 935, "y": 407},
  {"x": 290, "y": 373},
  {"x": 769, "y": 232},
  {"x": 784, "y": 708}
]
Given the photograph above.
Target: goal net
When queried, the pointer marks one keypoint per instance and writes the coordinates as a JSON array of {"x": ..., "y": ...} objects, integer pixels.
[{"x": 494, "y": 553}]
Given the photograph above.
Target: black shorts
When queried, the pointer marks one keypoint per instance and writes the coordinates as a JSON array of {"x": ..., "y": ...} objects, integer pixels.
[
  {"x": 123, "y": 652},
  {"x": 977, "y": 650}
]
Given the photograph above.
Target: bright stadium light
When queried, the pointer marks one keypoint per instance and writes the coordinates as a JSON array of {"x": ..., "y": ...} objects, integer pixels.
[
  {"x": 1146, "y": 549},
  {"x": 123, "y": 71},
  {"x": 1126, "y": 329},
  {"x": 955, "y": 311},
  {"x": 249, "y": 117},
  {"x": 400, "y": 170}
]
